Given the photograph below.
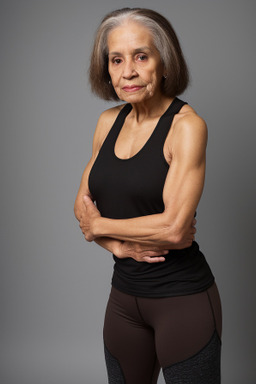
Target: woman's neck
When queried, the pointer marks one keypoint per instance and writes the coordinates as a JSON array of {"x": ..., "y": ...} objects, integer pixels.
[{"x": 151, "y": 108}]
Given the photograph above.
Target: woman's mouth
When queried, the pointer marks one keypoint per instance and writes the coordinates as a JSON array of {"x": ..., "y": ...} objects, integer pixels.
[{"x": 132, "y": 88}]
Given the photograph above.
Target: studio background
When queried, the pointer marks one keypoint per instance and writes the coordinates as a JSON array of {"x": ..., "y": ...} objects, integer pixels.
[{"x": 54, "y": 285}]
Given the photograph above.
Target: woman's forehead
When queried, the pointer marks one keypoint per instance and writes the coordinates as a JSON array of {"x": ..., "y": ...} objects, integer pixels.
[{"x": 133, "y": 35}]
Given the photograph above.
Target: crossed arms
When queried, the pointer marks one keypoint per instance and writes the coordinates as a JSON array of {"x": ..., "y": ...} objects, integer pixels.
[{"x": 148, "y": 238}]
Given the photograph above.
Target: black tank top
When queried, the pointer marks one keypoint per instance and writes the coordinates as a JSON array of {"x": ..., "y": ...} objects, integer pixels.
[{"x": 126, "y": 188}]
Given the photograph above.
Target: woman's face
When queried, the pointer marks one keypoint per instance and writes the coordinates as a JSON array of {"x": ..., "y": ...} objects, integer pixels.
[{"x": 134, "y": 64}]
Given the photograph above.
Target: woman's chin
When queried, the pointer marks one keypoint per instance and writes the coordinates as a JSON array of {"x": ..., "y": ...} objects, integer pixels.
[{"x": 135, "y": 97}]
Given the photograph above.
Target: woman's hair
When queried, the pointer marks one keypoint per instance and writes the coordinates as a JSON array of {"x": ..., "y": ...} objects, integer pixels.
[{"x": 165, "y": 41}]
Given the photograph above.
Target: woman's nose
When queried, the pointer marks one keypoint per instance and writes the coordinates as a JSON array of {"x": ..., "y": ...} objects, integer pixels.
[{"x": 129, "y": 69}]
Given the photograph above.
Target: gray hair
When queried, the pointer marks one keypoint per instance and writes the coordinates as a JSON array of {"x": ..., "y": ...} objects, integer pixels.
[{"x": 165, "y": 41}]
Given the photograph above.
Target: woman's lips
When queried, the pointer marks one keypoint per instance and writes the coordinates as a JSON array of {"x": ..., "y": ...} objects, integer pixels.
[{"x": 132, "y": 88}]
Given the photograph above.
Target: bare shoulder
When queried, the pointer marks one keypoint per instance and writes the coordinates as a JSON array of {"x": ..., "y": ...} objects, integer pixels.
[
  {"x": 188, "y": 137},
  {"x": 190, "y": 126},
  {"x": 109, "y": 115},
  {"x": 104, "y": 124}
]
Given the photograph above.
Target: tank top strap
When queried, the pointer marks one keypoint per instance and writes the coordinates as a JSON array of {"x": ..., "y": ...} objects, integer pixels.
[
  {"x": 118, "y": 123},
  {"x": 164, "y": 124},
  {"x": 124, "y": 111},
  {"x": 174, "y": 107}
]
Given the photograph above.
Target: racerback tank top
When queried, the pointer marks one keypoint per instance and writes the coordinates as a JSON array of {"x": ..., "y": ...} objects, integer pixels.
[{"x": 127, "y": 188}]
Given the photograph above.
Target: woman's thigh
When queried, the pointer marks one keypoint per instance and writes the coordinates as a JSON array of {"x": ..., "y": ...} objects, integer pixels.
[
  {"x": 187, "y": 335},
  {"x": 129, "y": 343},
  {"x": 182, "y": 333}
]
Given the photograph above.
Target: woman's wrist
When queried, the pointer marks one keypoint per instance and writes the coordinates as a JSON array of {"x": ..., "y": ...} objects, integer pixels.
[
  {"x": 96, "y": 227},
  {"x": 111, "y": 245}
]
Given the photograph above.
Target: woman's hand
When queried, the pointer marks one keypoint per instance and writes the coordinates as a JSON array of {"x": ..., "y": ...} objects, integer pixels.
[
  {"x": 87, "y": 218},
  {"x": 140, "y": 253}
]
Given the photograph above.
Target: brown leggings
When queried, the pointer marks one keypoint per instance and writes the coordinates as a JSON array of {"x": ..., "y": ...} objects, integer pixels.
[{"x": 180, "y": 334}]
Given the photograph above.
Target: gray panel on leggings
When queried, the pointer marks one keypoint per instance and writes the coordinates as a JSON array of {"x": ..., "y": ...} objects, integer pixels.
[
  {"x": 115, "y": 374},
  {"x": 202, "y": 368}
]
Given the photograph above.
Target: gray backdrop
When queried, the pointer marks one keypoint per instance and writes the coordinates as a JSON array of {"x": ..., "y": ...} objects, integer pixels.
[{"x": 54, "y": 285}]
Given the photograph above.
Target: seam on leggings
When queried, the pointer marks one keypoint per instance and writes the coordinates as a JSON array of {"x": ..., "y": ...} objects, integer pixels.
[
  {"x": 105, "y": 346},
  {"x": 122, "y": 377},
  {"x": 138, "y": 309},
  {"x": 213, "y": 315},
  {"x": 215, "y": 333}
]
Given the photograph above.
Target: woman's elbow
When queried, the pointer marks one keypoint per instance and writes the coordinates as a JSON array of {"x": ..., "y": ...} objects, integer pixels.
[
  {"x": 178, "y": 236},
  {"x": 174, "y": 235},
  {"x": 168, "y": 234}
]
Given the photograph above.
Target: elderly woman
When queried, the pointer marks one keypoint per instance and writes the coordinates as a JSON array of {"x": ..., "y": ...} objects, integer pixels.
[{"x": 146, "y": 175}]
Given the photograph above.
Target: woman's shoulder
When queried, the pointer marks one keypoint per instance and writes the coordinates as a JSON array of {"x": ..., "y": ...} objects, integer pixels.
[
  {"x": 105, "y": 123},
  {"x": 189, "y": 130},
  {"x": 188, "y": 120},
  {"x": 188, "y": 115},
  {"x": 109, "y": 115}
]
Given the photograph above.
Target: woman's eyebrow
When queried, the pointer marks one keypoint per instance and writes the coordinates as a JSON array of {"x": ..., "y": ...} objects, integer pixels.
[
  {"x": 140, "y": 49},
  {"x": 137, "y": 50}
]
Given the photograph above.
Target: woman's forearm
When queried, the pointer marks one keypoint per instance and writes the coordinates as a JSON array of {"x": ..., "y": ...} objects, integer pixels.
[
  {"x": 146, "y": 229},
  {"x": 163, "y": 229},
  {"x": 111, "y": 245}
]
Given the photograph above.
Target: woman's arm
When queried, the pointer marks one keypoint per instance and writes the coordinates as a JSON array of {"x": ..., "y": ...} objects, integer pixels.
[
  {"x": 103, "y": 126},
  {"x": 182, "y": 191},
  {"x": 121, "y": 249}
]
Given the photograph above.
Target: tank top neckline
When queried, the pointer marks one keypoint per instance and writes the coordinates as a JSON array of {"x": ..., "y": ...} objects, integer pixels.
[{"x": 125, "y": 112}]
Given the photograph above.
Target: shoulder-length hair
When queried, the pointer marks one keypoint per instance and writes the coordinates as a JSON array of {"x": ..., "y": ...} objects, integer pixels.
[{"x": 165, "y": 40}]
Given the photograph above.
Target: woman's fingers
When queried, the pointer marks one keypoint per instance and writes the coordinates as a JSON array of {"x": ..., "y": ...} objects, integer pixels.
[
  {"x": 154, "y": 259},
  {"x": 152, "y": 256},
  {"x": 142, "y": 253},
  {"x": 154, "y": 253}
]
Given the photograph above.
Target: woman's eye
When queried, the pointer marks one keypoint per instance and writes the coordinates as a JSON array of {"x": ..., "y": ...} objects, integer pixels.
[
  {"x": 116, "y": 61},
  {"x": 142, "y": 57}
]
